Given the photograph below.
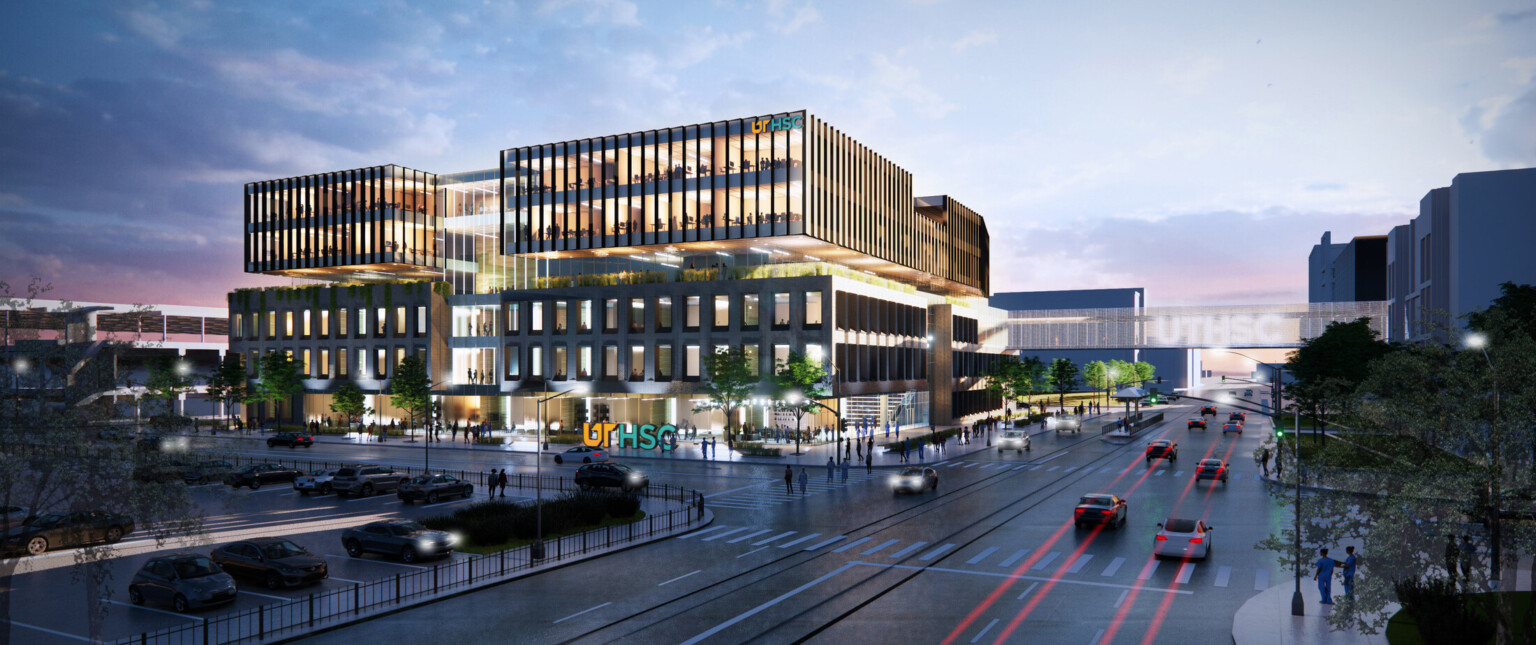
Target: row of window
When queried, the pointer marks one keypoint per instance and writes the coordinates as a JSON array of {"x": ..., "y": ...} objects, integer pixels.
[
  {"x": 971, "y": 402},
  {"x": 857, "y": 312},
  {"x": 717, "y": 311},
  {"x": 608, "y": 364},
  {"x": 966, "y": 330},
  {"x": 862, "y": 363},
  {"x": 964, "y": 364},
  {"x": 317, "y": 323},
  {"x": 363, "y": 363}
]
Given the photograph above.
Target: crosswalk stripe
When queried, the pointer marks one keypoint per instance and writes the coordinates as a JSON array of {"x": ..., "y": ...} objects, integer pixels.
[
  {"x": 1178, "y": 473},
  {"x": 877, "y": 549},
  {"x": 1146, "y": 571},
  {"x": 1037, "y": 467},
  {"x": 1046, "y": 561},
  {"x": 1052, "y": 468},
  {"x": 850, "y": 545},
  {"x": 1237, "y": 475},
  {"x": 721, "y": 535},
  {"x": 1078, "y": 565},
  {"x": 1223, "y": 576},
  {"x": 1185, "y": 571},
  {"x": 708, "y": 530},
  {"x": 1013, "y": 558},
  {"x": 915, "y": 546},
  {"x": 981, "y": 556},
  {"x": 748, "y": 536},
  {"x": 798, "y": 540},
  {"x": 1021, "y": 467},
  {"x": 823, "y": 543},
  {"x": 1104, "y": 470},
  {"x": 1114, "y": 565},
  {"x": 1070, "y": 469},
  {"x": 1160, "y": 473},
  {"x": 970, "y": 465},
  {"x": 936, "y": 552},
  {"x": 1143, "y": 471},
  {"x": 762, "y": 542},
  {"x": 1260, "y": 579}
]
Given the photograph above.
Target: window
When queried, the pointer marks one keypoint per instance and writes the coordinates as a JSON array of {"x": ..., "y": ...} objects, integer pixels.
[
  {"x": 637, "y": 362},
  {"x": 287, "y": 324},
  {"x": 753, "y": 357},
  {"x": 239, "y": 325},
  {"x": 362, "y": 363},
  {"x": 251, "y": 365},
  {"x": 749, "y": 311},
  {"x": 610, "y": 362},
  {"x": 584, "y": 316},
  {"x": 780, "y": 356},
  {"x": 561, "y": 363},
  {"x": 380, "y": 319},
  {"x": 380, "y": 366},
  {"x": 781, "y": 310},
  {"x": 511, "y": 355},
  {"x": 691, "y": 362},
  {"x": 399, "y": 356},
  {"x": 664, "y": 313},
  {"x": 536, "y": 361},
  {"x": 636, "y": 315},
  {"x": 584, "y": 362},
  {"x": 691, "y": 313},
  {"x": 513, "y": 309},
  {"x": 325, "y": 363},
  {"x": 341, "y": 323},
  {"x": 536, "y": 321},
  {"x": 814, "y": 354},
  {"x": 362, "y": 323},
  {"x": 304, "y": 329},
  {"x": 399, "y": 321},
  {"x": 421, "y": 321},
  {"x": 561, "y": 308},
  {"x": 722, "y": 312},
  {"x": 611, "y": 314},
  {"x": 325, "y": 323},
  {"x": 341, "y": 360},
  {"x": 663, "y": 362},
  {"x": 813, "y": 309}
]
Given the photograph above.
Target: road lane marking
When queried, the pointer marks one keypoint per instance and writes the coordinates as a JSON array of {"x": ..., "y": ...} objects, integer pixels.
[
  {"x": 936, "y": 552},
  {"x": 727, "y": 492},
  {"x": 984, "y": 631},
  {"x": 1223, "y": 576},
  {"x": 798, "y": 540},
  {"x": 1260, "y": 579},
  {"x": 355, "y": 582},
  {"x": 823, "y": 543},
  {"x": 748, "y": 536},
  {"x": 1021, "y": 467},
  {"x": 750, "y": 552},
  {"x": 457, "y": 501},
  {"x": 981, "y": 556},
  {"x": 1160, "y": 473},
  {"x": 582, "y": 612},
  {"x": 1104, "y": 470},
  {"x": 971, "y": 465},
  {"x": 663, "y": 584},
  {"x": 878, "y": 548},
  {"x": 915, "y": 546},
  {"x": 1052, "y": 468},
  {"x": 1078, "y": 564},
  {"x": 760, "y": 608},
  {"x": 762, "y": 542},
  {"x": 1185, "y": 571},
  {"x": 723, "y": 534},
  {"x": 1036, "y": 468},
  {"x": 47, "y": 631},
  {"x": 1121, "y": 601},
  {"x": 1178, "y": 473},
  {"x": 1013, "y": 558},
  {"x": 1069, "y": 469},
  {"x": 1146, "y": 571},
  {"x": 1055, "y": 456},
  {"x": 1098, "y": 636},
  {"x": 1032, "y": 586},
  {"x": 373, "y": 498},
  {"x": 712, "y": 528},
  {"x": 1046, "y": 561},
  {"x": 1114, "y": 565},
  {"x": 158, "y": 611},
  {"x": 991, "y": 574},
  {"x": 1237, "y": 475},
  {"x": 850, "y": 545}
]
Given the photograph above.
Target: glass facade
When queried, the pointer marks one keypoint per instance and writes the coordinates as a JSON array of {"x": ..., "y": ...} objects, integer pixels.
[{"x": 378, "y": 215}]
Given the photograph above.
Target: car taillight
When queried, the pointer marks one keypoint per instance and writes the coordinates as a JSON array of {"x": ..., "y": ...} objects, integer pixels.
[
  {"x": 1162, "y": 538},
  {"x": 1196, "y": 540}
]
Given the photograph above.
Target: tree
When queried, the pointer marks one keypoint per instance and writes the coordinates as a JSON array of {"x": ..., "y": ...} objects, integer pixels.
[
  {"x": 730, "y": 378},
  {"x": 1513, "y": 312},
  {"x": 1343, "y": 351},
  {"x": 798, "y": 388},
  {"x": 348, "y": 403},
  {"x": 1096, "y": 375},
  {"x": 1143, "y": 371},
  {"x": 411, "y": 390},
  {"x": 167, "y": 379},
  {"x": 278, "y": 380},
  {"x": 1030, "y": 379},
  {"x": 1063, "y": 377},
  {"x": 227, "y": 383}
]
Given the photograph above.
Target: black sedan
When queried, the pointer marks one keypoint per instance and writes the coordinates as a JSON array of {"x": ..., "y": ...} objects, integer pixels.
[
  {"x": 1164, "y": 449},
  {"x": 208, "y": 472},
  {"x": 408, "y": 540},
  {"x": 274, "y": 561},
  {"x": 62, "y": 530},
  {"x": 610, "y": 475},
  {"x": 291, "y": 439},
  {"x": 1197, "y": 422},
  {"x": 434, "y": 487},
  {"x": 1108, "y": 510},
  {"x": 915, "y": 479},
  {"x": 259, "y": 474}
]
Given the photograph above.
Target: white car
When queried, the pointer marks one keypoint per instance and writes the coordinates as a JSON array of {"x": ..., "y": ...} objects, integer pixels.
[
  {"x": 1067, "y": 422},
  {"x": 1182, "y": 538},
  {"x": 582, "y": 454},
  {"x": 1013, "y": 440},
  {"x": 320, "y": 482}
]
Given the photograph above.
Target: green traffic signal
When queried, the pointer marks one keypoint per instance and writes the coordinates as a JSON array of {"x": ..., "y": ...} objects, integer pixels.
[{"x": 1223, "y": 378}]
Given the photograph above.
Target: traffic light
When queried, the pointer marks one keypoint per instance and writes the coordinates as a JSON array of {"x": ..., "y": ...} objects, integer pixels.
[
  {"x": 1159, "y": 380},
  {"x": 1223, "y": 378},
  {"x": 1279, "y": 432}
]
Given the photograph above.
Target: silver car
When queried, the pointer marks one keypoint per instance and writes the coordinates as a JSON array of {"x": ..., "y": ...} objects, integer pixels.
[
  {"x": 1013, "y": 440},
  {"x": 186, "y": 581},
  {"x": 320, "y": 482},
  {"x": 1067, "y": 422},
  {"x": 1182, "y": 538}
]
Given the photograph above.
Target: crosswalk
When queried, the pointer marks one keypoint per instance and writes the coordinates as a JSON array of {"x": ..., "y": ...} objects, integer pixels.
[
  {"x": 992, "y": 558},
  {"x": 774, "y": 494}
]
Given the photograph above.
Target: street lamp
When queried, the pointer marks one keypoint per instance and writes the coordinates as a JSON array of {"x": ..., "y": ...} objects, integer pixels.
[
  {"x": 1479, "y": 342},
  {"x": 793, "y": 399},
  {"x": 537, "y": 550}
]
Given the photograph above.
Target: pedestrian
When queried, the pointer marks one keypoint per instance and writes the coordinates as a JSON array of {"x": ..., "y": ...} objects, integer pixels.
[
  {"x": 869, "y": 464},
  {"x": 845, "y": 471},
  {"x": 1468, "y": 558},
  {"x": 789, "y": 480},
  {"x": 906, "y": 449},
  {"x": 859, "y": 444},
  {"x": 501, "y": 480},
  {"x": 1324, "y": 575},
  {"x": 1349, "y": 573},
  {"x": 490, "y": 483},
  {"x": 1452, "y": 554},
  {"x": 805, "y": 479},
  {"x": 831, "y": 466},
  {"x": 920, "y": 455},
  {"x": 1264, "y": 460}
]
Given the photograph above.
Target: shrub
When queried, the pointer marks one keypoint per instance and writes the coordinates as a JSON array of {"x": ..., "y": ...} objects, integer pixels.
[
  {"x": 622, "y": 506},
  {"x": 1442, "y": 614}
]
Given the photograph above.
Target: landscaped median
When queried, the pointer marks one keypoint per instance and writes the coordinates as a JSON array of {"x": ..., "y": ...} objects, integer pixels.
[
  {"x": 492, "y": 526},
  {"x": 1433, "y": 612}
]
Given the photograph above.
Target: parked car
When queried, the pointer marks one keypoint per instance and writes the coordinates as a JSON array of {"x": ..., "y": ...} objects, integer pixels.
[
  {"x": 1197, "y": 422},
  {"x": 1248, "y": 392},
  {"x": 434, "y": 487},
  {"x": 275, "y": 561},
  {"x": 1232, "y": 427},
  {"x": 63, "y": 530},
  {"x": 1208, "y": 409},
  {"x": 366, "y": 480},
  {"x": 208, "y": 472},
  {"x": 1212, "y": 469},
  {"x": 1239, "y": 417},
  {"x": 402, "y": 538},
  {"x": 610, "y": 475},
  {"x": 291, "y": 439},
  {"x": 1067, "y": 422},
  {"x": 258, "y": 474},
  {"x": 1162, "y": 449},
  {"x": 13, "y": 516},
  {"x": 162, "y": 472},
  {"x": 915, "y": 479},
  {"x": 1103, "y": 509},
  {"x": 583, "y": 454},
  {"x": 319, "y": 481},
  {"x": 1013, "y": 440},
  {"x": 186, "y": 581},
  {"x": 1182, "y": 538}
]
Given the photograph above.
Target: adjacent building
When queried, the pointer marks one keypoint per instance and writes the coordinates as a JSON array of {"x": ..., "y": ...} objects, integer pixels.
[
  {"x": 613, "y": 265},
  {"x": 1355, "y": 271}
]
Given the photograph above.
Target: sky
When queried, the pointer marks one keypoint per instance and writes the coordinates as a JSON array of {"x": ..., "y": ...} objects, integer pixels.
[{"x": 1197, "y": 151}]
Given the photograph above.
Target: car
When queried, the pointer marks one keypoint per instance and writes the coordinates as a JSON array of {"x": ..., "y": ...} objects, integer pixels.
[
  {"x": 1197, "y": 422},
  {"x": 1232, "y": 427},
  {"x": 208, "y": 472},
  {"x": 366, "y": 480},
  {"x": 404, "y": 539},
  {"x": 1182, "y": 538},
  {"x": 583, "y": 454},
  {"x": 1208, "y": 409},
  {"x": 14, "y": 516},
  {"x": 318, "y": 481},
  {"x": 291, "y": 439},
  {"x": 162, "y": 472},
  {"x": 186, "y": 581},
  {"x": 258, "y": 474},
  {"x": 1162, "y": 448},
  {"x": 1103, "y": 509},
  {"x": 1067, "y": 422},
  {"x": 113, "y": 433},
  {"x": 434, "y": 487},
  {"x": 63, "y": 530},
  {"x": 1248, "y": 392},
  {"x": 275, "y": 561},
  {"x": 915, "y": 479},
  {"x": 1240, "y": 417},
  {"x": 1212, "y": 469},
  {"x": 1013, "y": 440},
  {"x": 610, "y": 475}
]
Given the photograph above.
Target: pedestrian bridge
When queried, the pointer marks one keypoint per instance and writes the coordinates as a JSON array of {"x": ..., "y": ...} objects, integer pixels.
[{"x": 1196, "y": 327}]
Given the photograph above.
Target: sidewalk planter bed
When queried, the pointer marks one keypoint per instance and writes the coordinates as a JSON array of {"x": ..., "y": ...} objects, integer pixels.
[
  {"x": 492, "y": 526},
  {"x": 1433, "y": 614},
  {"x": 895, "y": 446},
  {"x": 750, "y": 449}
]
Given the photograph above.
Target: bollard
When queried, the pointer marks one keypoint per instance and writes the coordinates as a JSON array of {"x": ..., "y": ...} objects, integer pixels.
[
  {"x": 311, "y": 610},
  {"x": 434, "y": 578},
  {"x": 397, "y": 588},
  {"x": 356, "y": 606},
  {"x": 261, "y": 621}
]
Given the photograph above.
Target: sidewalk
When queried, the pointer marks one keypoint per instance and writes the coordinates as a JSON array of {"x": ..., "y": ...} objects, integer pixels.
[{"x": 1266, "y": 619}]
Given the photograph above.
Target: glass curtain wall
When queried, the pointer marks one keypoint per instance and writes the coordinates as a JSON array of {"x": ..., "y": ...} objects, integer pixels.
[{"x": 384, "y": 214}]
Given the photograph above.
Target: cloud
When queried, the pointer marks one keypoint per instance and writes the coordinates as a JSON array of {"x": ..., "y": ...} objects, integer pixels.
[
  {"x": 1325, "y": 185},
  {"x": 619, "y": 13},
  {"x": 1511, "y": 134},
  {"x": 1525, "y": 68},
  {"x": 1512, "y": 17},
  {"x": 790, "y": 19},
  {"x": 976, "y": 38},
  {"x": 1191, "y": 76}
]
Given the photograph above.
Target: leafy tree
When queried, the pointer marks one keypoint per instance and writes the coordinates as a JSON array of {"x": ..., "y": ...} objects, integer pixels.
[
  {"x": 226, "y": 384},
  {"x": 411, "y": 390},
  {"x": 1030, "y": 379},
  {"x": 1096, "y": 375},
  {"x": 1513, "y": 312},
  {"x": 1343, "y": 351},
  {"x": 1143, "y": 371},
  {"x": 278, "y": 380},
  {"x": 804, "y": 380},
  {"x": 348, "y": 403},
  {"x": 730, "y": 379},
  {"x": 1063, "y": 378}
]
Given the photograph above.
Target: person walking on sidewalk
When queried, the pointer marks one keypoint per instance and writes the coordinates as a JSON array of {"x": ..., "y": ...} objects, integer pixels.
[
  {"x": 1324, "y": 575},
  {"x": 789, "y": 480},
  {"x": 906, "y": 450},
  {"x": 845, "y": 471},
  {"x": 490, "y": 483},
  {"x": 1468, "y": 559},
  {"x": 501, "y": 481},
  {"x": 831, "y": 467},
  {"x": 1264, "y": 460},
  {"x": 1451, "y": 555},
  {"x": 804, "y": 479},
  {"x": 1349, "y": 573},
  {"x": 869, "y": 463}
]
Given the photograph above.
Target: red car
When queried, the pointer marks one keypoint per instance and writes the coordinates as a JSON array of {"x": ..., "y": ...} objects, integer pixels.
[
  {"x": 1212, "y": 469},
  {"x": 1162, "y": 448}
]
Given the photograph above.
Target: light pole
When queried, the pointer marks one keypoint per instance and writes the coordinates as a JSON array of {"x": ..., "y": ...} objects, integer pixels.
[
  {"x": 1479, "y": 342},
  {"x": 793, "y": 399},
  {"x": 537, "y": 550}
]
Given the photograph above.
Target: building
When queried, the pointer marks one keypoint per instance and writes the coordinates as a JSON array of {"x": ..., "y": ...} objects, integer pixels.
[
  {"x": 1352, "y": 272},
  {"x": 612, "y": 265}
]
